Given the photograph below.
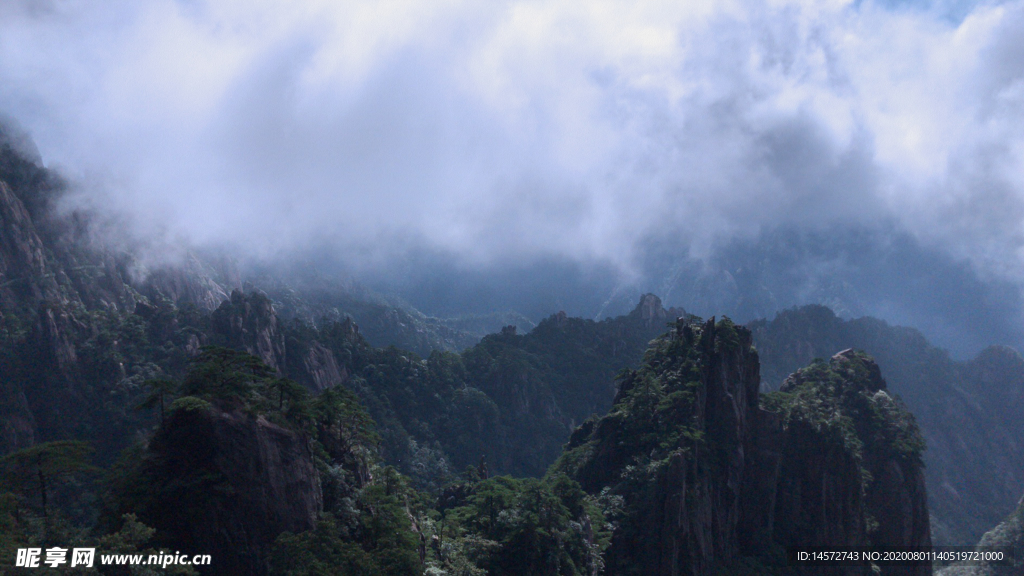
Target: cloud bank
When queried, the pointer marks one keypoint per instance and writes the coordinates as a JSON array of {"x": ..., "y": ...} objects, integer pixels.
[{"x": 505, "y": 133}]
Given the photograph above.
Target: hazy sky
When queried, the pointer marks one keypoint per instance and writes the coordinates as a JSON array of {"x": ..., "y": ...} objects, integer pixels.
[{"x": 504, "y": 133}]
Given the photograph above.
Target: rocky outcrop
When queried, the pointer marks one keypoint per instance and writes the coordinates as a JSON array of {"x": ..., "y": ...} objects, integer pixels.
[
  {"x": 801, "y": 489},
  {"x": 868, "y": 469},
  {"x": 652, "y": 314},
  {"x": 55, "y": 331},
  {"x": 970, "y": 413},
  {"x": 323, "y": 370},
  {"x": 45, "y": 255},
  {"x": 714, "y": 477},
  {"x": 24, "y": 275},
  {"x": 897, "y": 499},
  {"x": 194, "y": 281},
  {"x": 226, "y": 484},
  {"x": 55, "y": 288},
  {"x": 695, "y": 511},
  {"x": 248, "y": 322}
]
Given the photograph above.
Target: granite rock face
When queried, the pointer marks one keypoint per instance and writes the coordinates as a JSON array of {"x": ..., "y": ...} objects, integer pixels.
[
  {"x": 193, "y": 282},
  {"x": 893, "y": 510},
  {"x": 248, "y": 322},
  {"x": 51, "y": 278},
  {"x": 651, "y": 312},
  {"x": 229, "y": 483},
  {"x": 970, "y": 413},
  {"x": 17, "y": 424},
  {"x": 24, "y": 274},
  {"x": 322, "y": 367},
  {"x": 714, "y": 477}
]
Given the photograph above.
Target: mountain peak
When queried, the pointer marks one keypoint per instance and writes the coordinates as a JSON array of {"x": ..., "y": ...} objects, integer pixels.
[
  {"x": 860, "y": 367},
  {"x": 854, "y": 367},
  {"x": 650, "y": 310}
]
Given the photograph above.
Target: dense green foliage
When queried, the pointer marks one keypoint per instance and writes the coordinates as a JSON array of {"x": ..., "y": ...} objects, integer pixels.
[
  {"x": 653, "y": 413},
  {"x": 373, "y": 520},
  {"x": 842, "y": 406},
  {"x": 844, "y": 399},
  {"x": 41, "y": 468},
  {"x": 512, "y": 398},
  {"x": 497, "y": 526},
  {"x": 1008, "y": 536},
  {"x": 47, "y": 499}
]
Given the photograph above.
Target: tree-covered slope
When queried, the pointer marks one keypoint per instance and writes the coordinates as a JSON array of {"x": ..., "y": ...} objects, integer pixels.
[
  {"x": 691, "y": 472},
  {"x": 1008, "y": 535},
  {"x": 512, "y": 399},
  {"x": 266, "y": 478}
]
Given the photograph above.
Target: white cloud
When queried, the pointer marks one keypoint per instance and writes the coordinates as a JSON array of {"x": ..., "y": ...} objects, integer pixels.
[{"x": 523, "y": 129}]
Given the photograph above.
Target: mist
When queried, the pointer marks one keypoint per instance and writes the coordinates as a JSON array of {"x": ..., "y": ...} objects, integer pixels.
[{"x": 734, "y": 157}]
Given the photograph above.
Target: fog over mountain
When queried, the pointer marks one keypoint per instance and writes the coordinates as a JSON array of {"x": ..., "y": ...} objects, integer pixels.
[{"x": 734, "y": 157}]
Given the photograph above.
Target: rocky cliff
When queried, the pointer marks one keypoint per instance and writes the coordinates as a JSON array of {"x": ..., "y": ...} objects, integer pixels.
[
  {"x": 249, "y": 322},
  {"x": 969, "y": 412},
  {"x": 714, "y": 478},
  {"x": 56, "y": 289},
  {"x": 203, "y": 283},
  {"x": 243, "y": 459},
  {"x": 23, "y": 268},
  {"x": 227, "y": 484},
  {"x": 866, "y": 485}
]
